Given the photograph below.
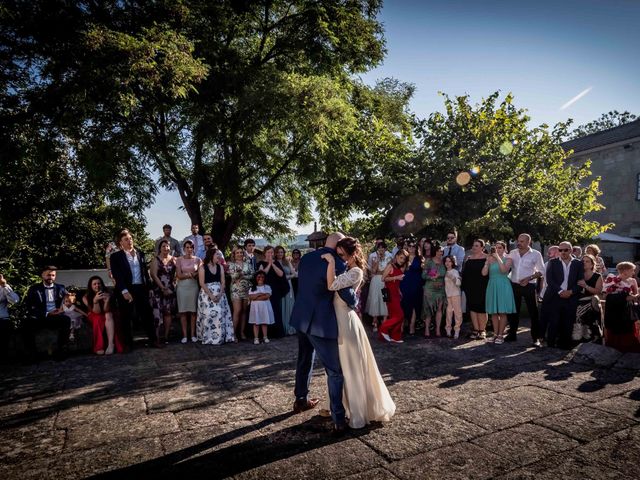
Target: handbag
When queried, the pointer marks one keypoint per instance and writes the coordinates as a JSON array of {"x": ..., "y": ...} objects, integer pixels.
[
  {"x": 576, "y": 333},
  {"x": 385, "y": 294}
]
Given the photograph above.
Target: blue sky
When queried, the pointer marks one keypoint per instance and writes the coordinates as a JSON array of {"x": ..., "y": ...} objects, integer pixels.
[{"x": 545, "y": 52}]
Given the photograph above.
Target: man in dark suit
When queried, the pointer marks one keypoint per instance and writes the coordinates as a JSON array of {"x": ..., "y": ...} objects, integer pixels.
[
  {"x": 560, "y": 300},
  {"x": 132, "y": 282},
  {"x": 314, "y": 317},
  {"x": 44, "y": 305}
]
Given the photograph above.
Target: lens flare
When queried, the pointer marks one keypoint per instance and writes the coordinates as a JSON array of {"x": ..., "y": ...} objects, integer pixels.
[
  {"x": 506, "y": 148},
  {"x": 463, "y": 178},
  {"x": 426, "y": 205},
  {"x": 475, "y": 171},
  {"x": 409, "y": 217},
  {"x": 402, "y": 222}
]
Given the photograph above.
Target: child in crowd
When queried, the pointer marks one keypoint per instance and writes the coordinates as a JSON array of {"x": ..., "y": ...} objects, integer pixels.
[
  {"x": 73, "y": 312},
  {"x": 452, "y": 282},
  {"x": 261, "y": 312}
]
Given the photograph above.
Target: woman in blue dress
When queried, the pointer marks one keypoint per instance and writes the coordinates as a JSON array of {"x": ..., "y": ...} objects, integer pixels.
[
  {"x": 411, "y": 288},
  {"x": 499, "y": 297}
]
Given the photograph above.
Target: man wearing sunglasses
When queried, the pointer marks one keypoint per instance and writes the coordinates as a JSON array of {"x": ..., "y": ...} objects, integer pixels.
[{"x": 560, "y": 300}]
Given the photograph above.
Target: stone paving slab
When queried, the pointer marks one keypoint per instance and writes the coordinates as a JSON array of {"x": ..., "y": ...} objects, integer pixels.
[{"x": 464, "y": 410}]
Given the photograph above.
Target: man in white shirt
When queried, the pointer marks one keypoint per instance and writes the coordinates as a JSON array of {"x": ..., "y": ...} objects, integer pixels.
[
  {"x": 560, "y": 300},
  {"x": 453, "y": 249},
  {"x": 527, "y": 267}
]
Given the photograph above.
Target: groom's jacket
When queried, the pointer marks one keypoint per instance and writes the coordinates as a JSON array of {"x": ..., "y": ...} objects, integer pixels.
[{"x": 313, "y": 311}]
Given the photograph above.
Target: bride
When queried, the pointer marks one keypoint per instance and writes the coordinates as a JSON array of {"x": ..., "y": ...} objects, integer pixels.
[{"x": 365, "y": 395}]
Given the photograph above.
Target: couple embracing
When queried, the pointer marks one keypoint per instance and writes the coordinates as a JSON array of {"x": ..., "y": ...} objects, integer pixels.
[{"x": 328, "y": 327}]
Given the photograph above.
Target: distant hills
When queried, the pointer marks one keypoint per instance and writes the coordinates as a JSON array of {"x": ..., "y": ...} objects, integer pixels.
[{"x": 298, "y": 241}]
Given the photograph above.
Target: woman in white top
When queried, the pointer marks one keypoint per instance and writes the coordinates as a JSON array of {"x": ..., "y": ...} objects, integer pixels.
[
  {"x": 365, "y": 396},
  {"x": 376, "y": 306},
  {"x": 452, "y": 282}
]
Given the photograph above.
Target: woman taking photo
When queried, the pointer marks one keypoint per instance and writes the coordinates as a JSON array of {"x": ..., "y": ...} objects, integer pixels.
[
  {"x": 474, "y": 285},
  {"x": 215, "y": 326},
  {"x": 376, "y": 307},
  {"x": 98, "y": 302},
  {"x": 434, "y": 295},
  {"x": 288, "y": 299},
  {"x": 499, "y": 299},
  {"x": 276, "y": 279},
  {"x": 241, "y": 274},
  {"x": 163, "y": 292},
  {"x": 187, "y": 289}
]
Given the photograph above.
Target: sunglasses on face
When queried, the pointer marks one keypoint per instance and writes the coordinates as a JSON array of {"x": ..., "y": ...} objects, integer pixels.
[{"x": 564, "y": 249}]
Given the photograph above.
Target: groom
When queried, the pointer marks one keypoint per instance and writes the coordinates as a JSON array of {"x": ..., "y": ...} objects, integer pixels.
[{"x": 315, "y": 319}]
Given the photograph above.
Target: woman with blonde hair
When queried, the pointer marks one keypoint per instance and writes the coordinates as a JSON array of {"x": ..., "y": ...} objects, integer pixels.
[{"x": 594, "y": 250}]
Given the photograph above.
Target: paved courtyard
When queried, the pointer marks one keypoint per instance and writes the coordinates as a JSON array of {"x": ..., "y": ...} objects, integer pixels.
[{"x": 465, "y": 410}]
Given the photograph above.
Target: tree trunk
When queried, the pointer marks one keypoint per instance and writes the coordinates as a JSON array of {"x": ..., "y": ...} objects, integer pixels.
[{"x": 223, "y": 227}]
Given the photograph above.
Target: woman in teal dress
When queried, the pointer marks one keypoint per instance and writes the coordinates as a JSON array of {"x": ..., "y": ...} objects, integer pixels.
[
  {"x": 434, "y": 296},
  {"x": 499, "y": 297}
]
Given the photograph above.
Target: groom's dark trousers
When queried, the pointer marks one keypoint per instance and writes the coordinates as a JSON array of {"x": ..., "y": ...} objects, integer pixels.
[{"x": 315, "y": 319}]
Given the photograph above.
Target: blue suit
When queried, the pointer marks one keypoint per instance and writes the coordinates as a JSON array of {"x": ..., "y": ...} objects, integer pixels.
[{"x": 315, "y": 319}]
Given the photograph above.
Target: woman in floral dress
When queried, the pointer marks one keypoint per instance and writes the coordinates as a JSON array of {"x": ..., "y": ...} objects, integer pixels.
[
  {"x": 434, "y": 295},
  {"x": 163, "y": 294},
  {"x": 241, "y": 273},
  {"x": 214, "y": 325}
]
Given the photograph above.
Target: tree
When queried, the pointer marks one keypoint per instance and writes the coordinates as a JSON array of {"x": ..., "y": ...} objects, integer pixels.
[
  {"x": 488, "y": 174},
  {"x": 604, "y": 122},
  {"x": 248, "y": 109}
]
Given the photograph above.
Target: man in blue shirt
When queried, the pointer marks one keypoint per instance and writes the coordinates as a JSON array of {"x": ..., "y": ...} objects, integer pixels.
[{"x": 453, "y": 249}]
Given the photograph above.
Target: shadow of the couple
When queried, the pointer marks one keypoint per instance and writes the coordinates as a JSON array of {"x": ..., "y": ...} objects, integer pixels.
[{"x": 222, "y": 456}]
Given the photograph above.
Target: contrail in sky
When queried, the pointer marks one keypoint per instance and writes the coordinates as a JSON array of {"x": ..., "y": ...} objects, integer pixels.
[{"x": 576, "y": 98}]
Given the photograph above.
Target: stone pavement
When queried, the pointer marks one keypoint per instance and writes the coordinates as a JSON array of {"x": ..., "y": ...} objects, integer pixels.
[{"x": 465, "y": 410}]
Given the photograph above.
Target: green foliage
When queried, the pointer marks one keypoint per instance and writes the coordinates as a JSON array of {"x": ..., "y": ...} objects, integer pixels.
[
  {"x": 490, "y": 175},
  {"x": 604, "y": 122}
]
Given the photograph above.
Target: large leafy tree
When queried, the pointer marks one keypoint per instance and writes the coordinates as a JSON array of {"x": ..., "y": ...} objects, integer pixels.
[
  {"x": 604, "y": 122},
  {"x": 248, "y": 109},
  {"x": 487, "y": 173}
]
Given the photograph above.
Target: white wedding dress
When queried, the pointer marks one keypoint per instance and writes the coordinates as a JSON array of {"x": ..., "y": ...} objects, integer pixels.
[{"x": 365, "y": 396}]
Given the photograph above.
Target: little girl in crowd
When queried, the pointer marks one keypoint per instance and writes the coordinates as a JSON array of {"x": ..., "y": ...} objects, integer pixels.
[
  {"x": 73, "y": 312},
  {"x": 452, "y": 282},
  {"x": 261, "y": 312}
]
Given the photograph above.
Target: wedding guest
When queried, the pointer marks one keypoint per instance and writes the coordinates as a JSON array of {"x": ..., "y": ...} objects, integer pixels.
[
  {"x": 249, "y": 247},
  {"x": 175, "y": 248},
  {"x": 576, "y": 251},
  {"x": 411, "y": 287},
  {"x": 44, "y": 311},
  {"x": 434, "y": 294},
  {"x": 499, "y": 296},
  {"x": 620, "y": 328},
  {"x": 400, "y": 242},
  {"x": 241, "y": 273},
  {"x": 453, "y": 249},
  {"x": 261, "y": 310},
  {"x": 588, "y": 314},
  {"x": 109, "y": 248},
  {"x": 187, "y": 267},
  {"x": 214, "y": 326},
  {"x": 132, "y": 282},
  {"x": 594, "y": 250},
  {"x": 197, "y": 241},
  {"x": 452, "y": 283},
  {"x": 75, "y": 314},
  {"x": 426, "y": 248},
  {"x": 100, "y": 306},
  {"x": 163, "y": 293},
  {"x": 376, "y": 306},
  {"x": 391, "y": 328},
  {"x": 560, "y": 299},
  {"x": 7, "y": 297},
  {"x": 527, "y": 266},
  {"x": 296, "y": 255},
  {"x": 275, "y": 278},
  {"x": 288, "y": 299},
  {"x": 474, "y": 285}
]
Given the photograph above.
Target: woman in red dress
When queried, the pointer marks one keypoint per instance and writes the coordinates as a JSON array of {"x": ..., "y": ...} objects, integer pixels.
[
  {"x": 391, "y": 328},
  {"x": 98, "y": 301}
]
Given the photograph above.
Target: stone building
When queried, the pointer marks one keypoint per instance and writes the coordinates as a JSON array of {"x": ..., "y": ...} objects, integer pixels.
[{"x": 615, "y": 157}]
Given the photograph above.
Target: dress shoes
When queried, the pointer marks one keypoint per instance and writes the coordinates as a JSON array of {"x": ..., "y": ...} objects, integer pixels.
[
  {"x": 510, "y": 338},
  {"x": 300, "y": 406},
  {"x": 340, "y": 429}
]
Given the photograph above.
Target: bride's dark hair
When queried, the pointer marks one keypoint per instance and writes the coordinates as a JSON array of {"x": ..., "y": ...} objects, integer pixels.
[{"x": 352, "y": 247}]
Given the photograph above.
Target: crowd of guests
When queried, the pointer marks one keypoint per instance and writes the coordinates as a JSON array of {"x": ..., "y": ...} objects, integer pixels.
[
  {"x": 421, "y": 283},
  {"x": 417, "y": 287}
]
